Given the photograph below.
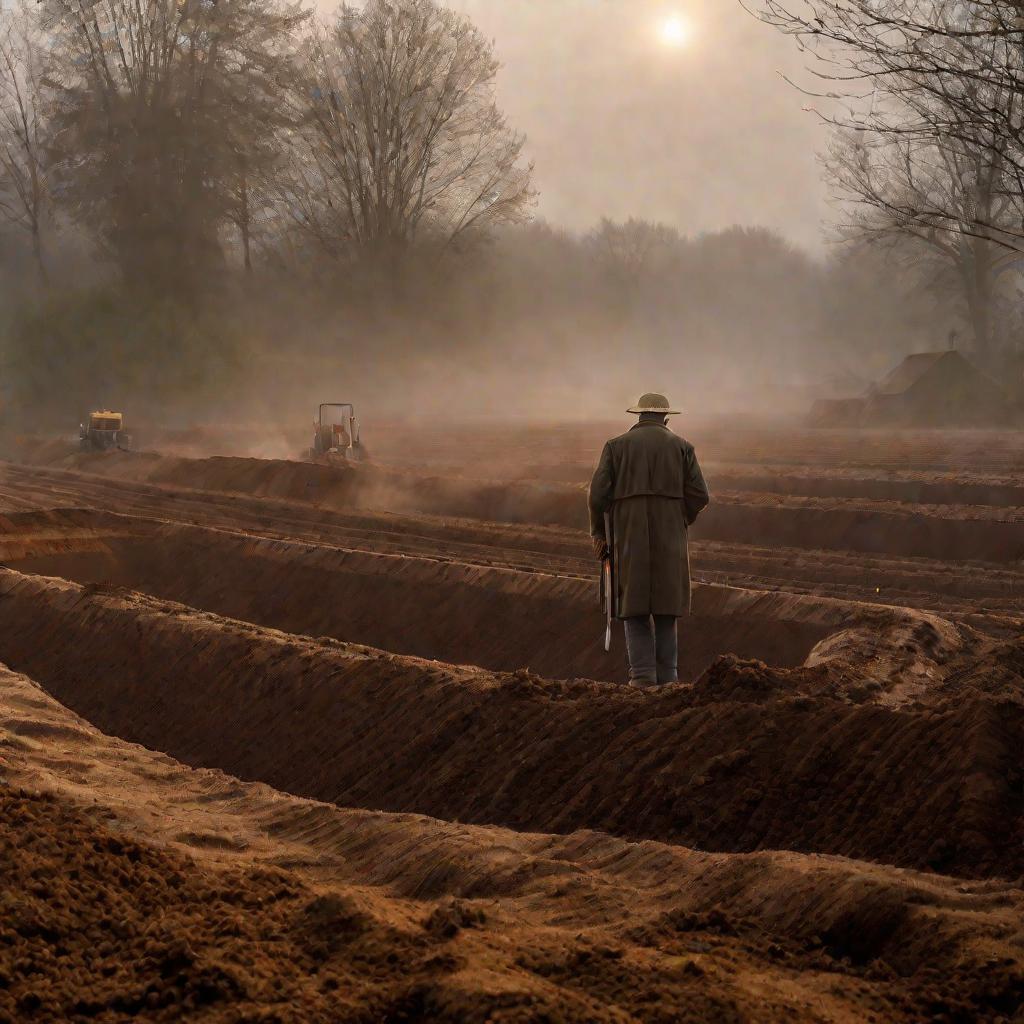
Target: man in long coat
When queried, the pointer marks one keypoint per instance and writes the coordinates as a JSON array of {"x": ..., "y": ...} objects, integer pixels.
[{"x": 650, "y": 482}]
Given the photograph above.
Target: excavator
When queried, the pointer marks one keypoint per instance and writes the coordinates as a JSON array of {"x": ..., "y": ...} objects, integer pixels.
[{"x": 336, "y": 435}]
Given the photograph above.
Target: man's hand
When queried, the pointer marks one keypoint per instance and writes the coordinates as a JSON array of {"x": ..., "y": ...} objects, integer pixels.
[{"x": 600, "y": 548}]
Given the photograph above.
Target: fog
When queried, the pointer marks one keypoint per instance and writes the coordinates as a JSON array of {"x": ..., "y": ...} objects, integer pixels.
[
  {"x": 673, "y": 235},
  {"x": 703, "y": 137}
]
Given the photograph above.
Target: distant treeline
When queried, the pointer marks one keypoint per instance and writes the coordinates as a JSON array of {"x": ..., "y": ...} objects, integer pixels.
[{"x": 201, "y": 201}]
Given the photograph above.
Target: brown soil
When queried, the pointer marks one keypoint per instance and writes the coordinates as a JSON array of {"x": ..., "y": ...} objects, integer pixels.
[
  {"x": 100, "y": 926},
  {"x": 135, "y": 889},
  {"x": 907, "y": 769},
  {"x": 138, "y": 888},
  {"x": 912, "y": 488},
  {"x": 975, "y": 533},
  {"x": 446, "y": 611},
  {"x": 938, "y": 584},
  {"x": 729, "y": 441}
]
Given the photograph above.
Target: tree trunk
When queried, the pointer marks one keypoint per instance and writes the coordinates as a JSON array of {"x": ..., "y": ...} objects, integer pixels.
[
  {"x": 980, "y": 296},
  {"x": 37, "y": 252},
  {"x": 245, "y": 247},
  {"x": 244, "y": 224}
]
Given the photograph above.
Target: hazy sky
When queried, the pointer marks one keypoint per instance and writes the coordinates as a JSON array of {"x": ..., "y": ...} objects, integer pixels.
[{"x": 702, "y": 135}]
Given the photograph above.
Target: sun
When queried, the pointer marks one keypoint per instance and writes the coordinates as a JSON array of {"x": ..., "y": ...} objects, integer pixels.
[{"x": 675, "y": 31}]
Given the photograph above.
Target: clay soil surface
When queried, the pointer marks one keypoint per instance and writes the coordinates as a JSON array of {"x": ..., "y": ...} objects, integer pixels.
[{"x": 285, "y": 742}]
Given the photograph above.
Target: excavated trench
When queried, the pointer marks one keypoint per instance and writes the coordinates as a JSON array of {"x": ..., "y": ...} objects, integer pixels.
[
  {"x": 749, "y": 758},
  {"x": 875, "y": 527},
  {"x": 495, "y": 618}
]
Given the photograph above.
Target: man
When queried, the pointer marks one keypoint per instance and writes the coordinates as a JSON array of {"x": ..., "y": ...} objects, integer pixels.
[{"x": 650, "y": 482}]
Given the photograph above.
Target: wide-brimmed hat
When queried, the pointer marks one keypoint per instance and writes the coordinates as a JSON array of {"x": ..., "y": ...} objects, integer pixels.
[{"x": 653, "y": 403}]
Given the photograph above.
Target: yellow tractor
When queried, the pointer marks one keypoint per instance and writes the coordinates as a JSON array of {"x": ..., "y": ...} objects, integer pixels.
[
  {"x": 336, "y": 435},
  {"x": 104, "y": 432}
]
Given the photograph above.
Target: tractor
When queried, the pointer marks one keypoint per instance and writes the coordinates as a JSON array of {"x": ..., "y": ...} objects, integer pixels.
[
  {"x": 104, "y": 432},
  {"x": 336, "y": 435}
]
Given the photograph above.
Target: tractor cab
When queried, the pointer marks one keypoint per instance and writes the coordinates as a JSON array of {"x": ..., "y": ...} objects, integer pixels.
[
  {"x": 104, "y": 431},
  {"x": 336, "y": 434}
]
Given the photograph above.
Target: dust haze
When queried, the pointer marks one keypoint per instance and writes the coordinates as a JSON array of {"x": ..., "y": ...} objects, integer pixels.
[
  {"x": 653, "y": 214},
  {"x": 386, "y": 716}
]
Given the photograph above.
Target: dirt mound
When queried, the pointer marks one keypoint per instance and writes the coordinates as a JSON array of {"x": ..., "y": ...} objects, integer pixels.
[
  {"x": 906, "y": 486},
  {"x": 99, "y": 926},
  {"x": 972, "y": 533},
  {"x": 919, "y": 531},
  {"x": 940, "y": 585},
  {"x": 490, "y": 617},
  {"x": 903, "y": 662},
  {"x": 96, "y": 925},
  {"x": 301, "y": 912},
  {"x": 56, "y": 533},
  {"x": 747, "y": 759}
]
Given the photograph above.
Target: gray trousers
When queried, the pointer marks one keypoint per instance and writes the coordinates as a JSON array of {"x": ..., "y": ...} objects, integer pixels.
[{"x": 652, "y": 644}]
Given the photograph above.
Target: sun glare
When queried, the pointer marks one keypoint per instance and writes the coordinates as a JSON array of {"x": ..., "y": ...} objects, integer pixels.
[{"x": 675, "y": 31}]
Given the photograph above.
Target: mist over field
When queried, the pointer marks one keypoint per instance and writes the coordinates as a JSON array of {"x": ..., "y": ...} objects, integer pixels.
[{"x": 557, "y": 207}]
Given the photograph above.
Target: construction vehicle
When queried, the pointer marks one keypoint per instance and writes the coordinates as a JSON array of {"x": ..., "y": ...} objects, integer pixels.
[
  {"x": 104, "y": 432},
  {"x": 336, "y": 435}
]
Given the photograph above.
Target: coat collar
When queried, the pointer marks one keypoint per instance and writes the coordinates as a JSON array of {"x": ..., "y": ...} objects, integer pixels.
[{"x": 640, "y": 426}]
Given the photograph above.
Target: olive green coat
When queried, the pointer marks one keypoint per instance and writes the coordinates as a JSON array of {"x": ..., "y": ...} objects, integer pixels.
[{"x": 650, "y": 481}]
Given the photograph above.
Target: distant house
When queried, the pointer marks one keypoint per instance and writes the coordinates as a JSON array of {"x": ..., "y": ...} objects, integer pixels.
[
  {"x": 938, "y": 388},
  {"x": 929, "y": 389},
  {"x": 1012, "y": 376}
]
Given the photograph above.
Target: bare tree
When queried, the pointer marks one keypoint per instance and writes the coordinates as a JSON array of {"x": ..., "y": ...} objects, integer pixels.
[
  {"x": 24, "y": 197},
  {"x": 398, "y": 137},
  {"x": 915, "y": 68},
  {"x": 159, "y": 110},
  {"x": 927, "y": 98},
  {"x": 256, "y": 163},
  {"x": 952, "y": 199},
  {"x": 635, "y": 247}
]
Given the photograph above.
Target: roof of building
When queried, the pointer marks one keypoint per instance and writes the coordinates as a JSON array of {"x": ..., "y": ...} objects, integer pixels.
[{"x": 913, "y": 368}]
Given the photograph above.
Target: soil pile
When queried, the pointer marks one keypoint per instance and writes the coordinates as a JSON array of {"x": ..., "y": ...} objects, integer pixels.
[
  {"x": 138, "y": 888},
  {"x": 939, "y": 584},
  {"x": 97, "y": 926},
  {"x": 494, "y": 618},
  {"x": 298, "y": 912},
  {"x": 872, "y": 527},
  {"x": 825, "y": 759}
]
